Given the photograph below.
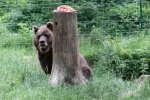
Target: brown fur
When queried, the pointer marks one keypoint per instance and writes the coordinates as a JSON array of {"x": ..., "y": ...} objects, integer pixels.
[
  {"x": 86, "y": 70},
  {"x": 46, "y": 59}
]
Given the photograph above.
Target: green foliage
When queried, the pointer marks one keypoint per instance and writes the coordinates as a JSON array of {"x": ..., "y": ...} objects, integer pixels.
[
  {"x": 87, "y": 12},
  {"x": 127, "y": 58},
  {"x": 29, "y": 12},
  {"x": 132, "y": 65},
  {"x": 23, "y": 78},
  {"x": 24, "y": 29},
  {"x": 100, "y": 24},
  {"x": 12, "y": 19},
  {"x": 124, "y": 18},
  {"x": 110, "y": 15}
]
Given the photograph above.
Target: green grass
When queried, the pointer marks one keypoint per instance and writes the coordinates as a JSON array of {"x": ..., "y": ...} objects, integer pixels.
[{"x": 21, "y": 77}]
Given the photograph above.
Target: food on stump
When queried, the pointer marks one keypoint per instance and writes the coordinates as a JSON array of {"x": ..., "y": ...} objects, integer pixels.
[{"x": 65, "y": 8}]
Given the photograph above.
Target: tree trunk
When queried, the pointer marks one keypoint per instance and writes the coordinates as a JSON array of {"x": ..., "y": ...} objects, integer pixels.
[{"x": 65, "y": 50}]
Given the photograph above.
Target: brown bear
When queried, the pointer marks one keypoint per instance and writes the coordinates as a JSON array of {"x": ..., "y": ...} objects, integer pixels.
[{"x": 43, "y": 44}]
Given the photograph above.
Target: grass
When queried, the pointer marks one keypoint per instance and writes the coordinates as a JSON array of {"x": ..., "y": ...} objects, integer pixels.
[{"x": 21, "y": 77}]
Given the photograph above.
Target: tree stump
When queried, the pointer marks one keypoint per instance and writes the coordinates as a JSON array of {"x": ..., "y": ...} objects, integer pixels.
[{"x": 65, "y": 50}]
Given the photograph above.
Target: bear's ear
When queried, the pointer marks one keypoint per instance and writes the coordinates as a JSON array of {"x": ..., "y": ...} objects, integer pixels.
[
  {"x": 35, "y": 29},
  {"x": 50, "y": 25}
]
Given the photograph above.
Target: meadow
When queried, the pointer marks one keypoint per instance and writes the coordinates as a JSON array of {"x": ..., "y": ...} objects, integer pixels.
[
  {"x": 22, "y": 77},
  {"x": 113, "y": 36}
]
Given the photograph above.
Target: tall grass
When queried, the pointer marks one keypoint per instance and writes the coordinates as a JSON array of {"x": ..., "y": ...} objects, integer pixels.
[{"x": 23, "y": 79}]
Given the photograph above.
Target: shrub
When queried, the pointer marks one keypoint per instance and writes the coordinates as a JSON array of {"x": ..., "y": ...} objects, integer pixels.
[
  {"x": 97, "y": 36},
  {"x": 126, "y": 16},
  {"x": 132, "y": 65},
  {"x": 87, "y": 12},
  {"x": 120, "y": 60},
  {"x": 124, "y": 62},
  {"x": 23, "y": 29}
]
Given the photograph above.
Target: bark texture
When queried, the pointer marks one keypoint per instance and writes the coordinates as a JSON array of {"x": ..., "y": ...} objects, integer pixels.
[{"x": 65, "y": 50}]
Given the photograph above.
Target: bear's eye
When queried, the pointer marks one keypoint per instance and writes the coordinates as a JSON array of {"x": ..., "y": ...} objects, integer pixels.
[
  {"x": 38, "y": 36},
  {"x": 46, "y": 35}
]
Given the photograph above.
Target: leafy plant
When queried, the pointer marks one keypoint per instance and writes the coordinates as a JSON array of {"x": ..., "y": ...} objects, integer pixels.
[{"x": 24, "y": 29}]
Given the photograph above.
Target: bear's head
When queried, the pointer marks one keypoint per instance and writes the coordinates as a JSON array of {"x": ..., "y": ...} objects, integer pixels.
[{"x": 43, "y": 37}]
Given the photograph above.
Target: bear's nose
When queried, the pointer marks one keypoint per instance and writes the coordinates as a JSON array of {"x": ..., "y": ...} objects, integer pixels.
[{"x": 42, "y": 42}]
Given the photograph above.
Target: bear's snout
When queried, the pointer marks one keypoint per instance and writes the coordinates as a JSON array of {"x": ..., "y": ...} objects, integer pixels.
[
  {"x": 42, "y": 42},
  {"x": 43, "y": 45}
]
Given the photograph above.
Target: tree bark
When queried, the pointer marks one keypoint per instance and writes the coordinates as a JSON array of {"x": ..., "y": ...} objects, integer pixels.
[{"x": 65, "y": 50}]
